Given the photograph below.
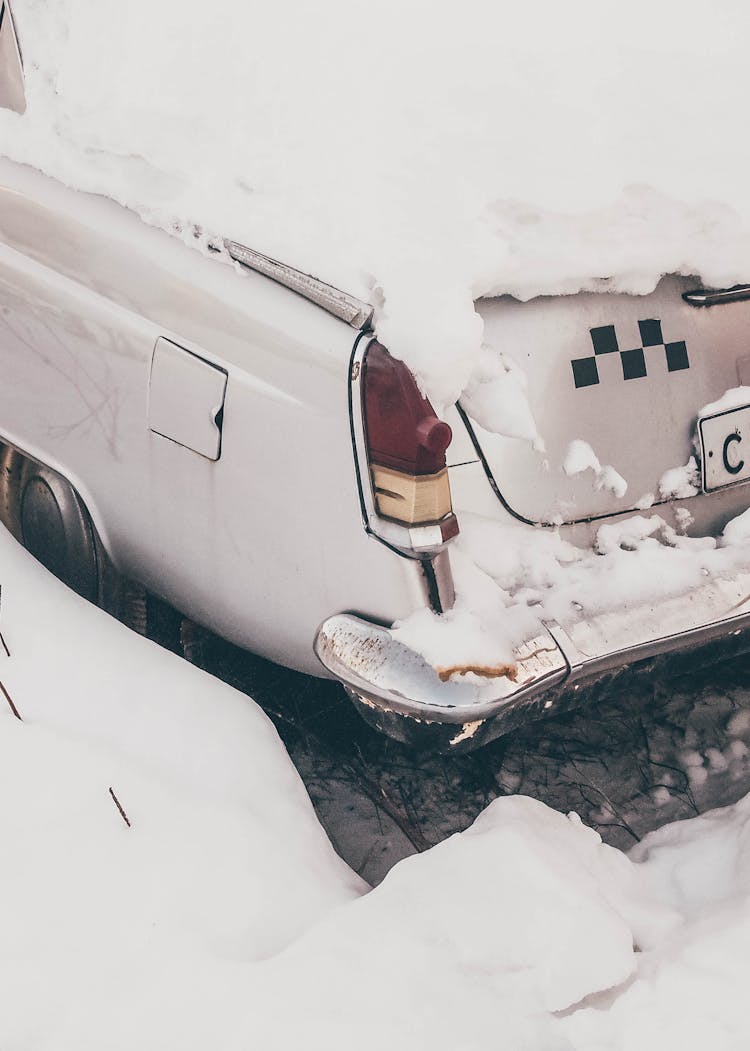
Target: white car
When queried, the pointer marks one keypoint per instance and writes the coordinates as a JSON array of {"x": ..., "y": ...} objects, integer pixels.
[{"x": 234, "y": 438}]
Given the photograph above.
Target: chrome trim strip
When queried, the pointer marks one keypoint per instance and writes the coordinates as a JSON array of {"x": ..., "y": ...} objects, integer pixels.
[
  {"x": 388, "y": 675},
  {"x": 443, "y": 575},
  {"x": 595, "y": 645},
  {"x": 703, "y": 297},
  {"x": 343, "y": 306},
  {"x": 12, "y": 89}
]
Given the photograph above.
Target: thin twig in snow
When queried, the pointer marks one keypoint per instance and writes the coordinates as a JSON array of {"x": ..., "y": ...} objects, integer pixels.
[
  {"x": 11, "y": 705},
  {"x": 2, "y": 637},
  {"x": 123, "y": 815}
]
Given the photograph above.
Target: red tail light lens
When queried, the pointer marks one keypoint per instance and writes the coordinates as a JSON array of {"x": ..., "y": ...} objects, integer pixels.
[
  {"x": 402, "y": 429},
  {"x": 406, "y": 445}
]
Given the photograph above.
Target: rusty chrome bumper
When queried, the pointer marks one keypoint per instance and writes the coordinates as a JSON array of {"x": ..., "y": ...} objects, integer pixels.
[{"x": 396, "y": 690}]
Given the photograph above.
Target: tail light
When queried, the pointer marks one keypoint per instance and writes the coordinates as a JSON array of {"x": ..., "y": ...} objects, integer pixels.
[{"x": 406, "y": 444}]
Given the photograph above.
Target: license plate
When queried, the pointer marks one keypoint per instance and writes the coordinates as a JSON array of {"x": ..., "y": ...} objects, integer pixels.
[{"x": 725, "y": 447}]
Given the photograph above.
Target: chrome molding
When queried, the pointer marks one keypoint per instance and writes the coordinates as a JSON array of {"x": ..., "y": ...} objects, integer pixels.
[
  {"x": 12, "y": 93},
  {"x": 440, "y": 565},
  {"x": 389, "y": 678},
  {"x": 610, "y": 639},
  {"x": 388, "y": 675},
  {"x": 703, "y": 297},
  {"x": 343, "y": 306}
]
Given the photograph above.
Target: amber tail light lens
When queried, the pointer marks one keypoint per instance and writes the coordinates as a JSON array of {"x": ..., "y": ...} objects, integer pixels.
[{"x": 406, "y": 445}]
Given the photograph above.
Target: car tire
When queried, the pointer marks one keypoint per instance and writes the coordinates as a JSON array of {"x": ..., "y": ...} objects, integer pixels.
[
  {"x": 11, "y": 463},
  {"x": 43, "y": 511},
  {"x": 56, "y": 528}
]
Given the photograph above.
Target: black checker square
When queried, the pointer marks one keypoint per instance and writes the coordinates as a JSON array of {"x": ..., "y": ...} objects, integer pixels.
[
  {"x": 633, "y": 364},
  {"x": 604, "y": 339},
  {"x": 651, "y": 333},
  {"x": 585, "y": 372},
  {"x": 677, "y": 356}
]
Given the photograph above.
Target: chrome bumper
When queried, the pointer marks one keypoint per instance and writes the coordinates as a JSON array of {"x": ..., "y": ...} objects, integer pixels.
[{"x": 398, "y": 691}]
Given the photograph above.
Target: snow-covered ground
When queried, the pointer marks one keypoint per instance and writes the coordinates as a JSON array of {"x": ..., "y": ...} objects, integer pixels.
[
  {"x": 219, "y": 916},
  {"x": 418, "y": 154},
  {"x": 109, "y": 927}
]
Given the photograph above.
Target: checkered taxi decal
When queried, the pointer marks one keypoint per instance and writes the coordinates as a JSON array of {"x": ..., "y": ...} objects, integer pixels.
[{"x": 604, "y": 340}]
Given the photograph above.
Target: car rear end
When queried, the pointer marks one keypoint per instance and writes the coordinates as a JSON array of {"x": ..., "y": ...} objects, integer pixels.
[{"x": 633, "y": 465}]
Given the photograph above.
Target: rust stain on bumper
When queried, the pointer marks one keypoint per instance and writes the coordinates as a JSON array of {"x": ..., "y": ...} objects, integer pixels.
[{"x": 486, "y": 671}]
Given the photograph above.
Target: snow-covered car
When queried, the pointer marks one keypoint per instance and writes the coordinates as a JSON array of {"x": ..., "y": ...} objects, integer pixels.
[{"x": 229, "y": 432}]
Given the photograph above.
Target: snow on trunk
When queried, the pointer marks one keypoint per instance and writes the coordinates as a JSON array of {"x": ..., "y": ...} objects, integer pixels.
[{"x": 419, "y": 155}]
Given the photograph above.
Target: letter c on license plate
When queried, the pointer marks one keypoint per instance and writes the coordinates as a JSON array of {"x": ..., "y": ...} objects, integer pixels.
[{"x": 725, "y": 447}]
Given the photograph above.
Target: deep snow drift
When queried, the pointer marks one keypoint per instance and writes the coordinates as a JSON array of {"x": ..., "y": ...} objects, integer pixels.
[
  {"x": 420, "y": 155},
  {"x": 223, "y": 860},
  {"x": 221, "y": 917}
]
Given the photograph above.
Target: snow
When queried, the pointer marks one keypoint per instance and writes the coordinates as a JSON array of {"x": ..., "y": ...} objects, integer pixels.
[
  {"x": 474, "y": 633},
  {"x": 679, "y": 483},
  {"x": 510, "y": 580},
  {"x": 684, "y": 519},
  {"x": 418, "y": 155},
  {"x": 581, "y": 457},
  {"x": 224, "y": 860},
  {"x": 495, "y": 398},
  {"x": 690, "y": 984},
  {"x": 737, "y": 531},
  {"x": 220, "y": 916},
  {"x": 735, "y": 398}
]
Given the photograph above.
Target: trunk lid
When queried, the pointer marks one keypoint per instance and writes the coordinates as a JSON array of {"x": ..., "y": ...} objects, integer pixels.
[{"x": 626, "y": 375}]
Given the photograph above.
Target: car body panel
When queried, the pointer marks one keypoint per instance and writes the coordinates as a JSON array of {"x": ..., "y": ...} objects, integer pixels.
[
  {"x": 677, "y": 358},
  {"x": 261, "y": 544}
]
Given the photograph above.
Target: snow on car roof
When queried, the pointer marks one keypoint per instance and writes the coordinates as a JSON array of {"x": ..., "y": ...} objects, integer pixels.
[{"x": 417, "y": 155}]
